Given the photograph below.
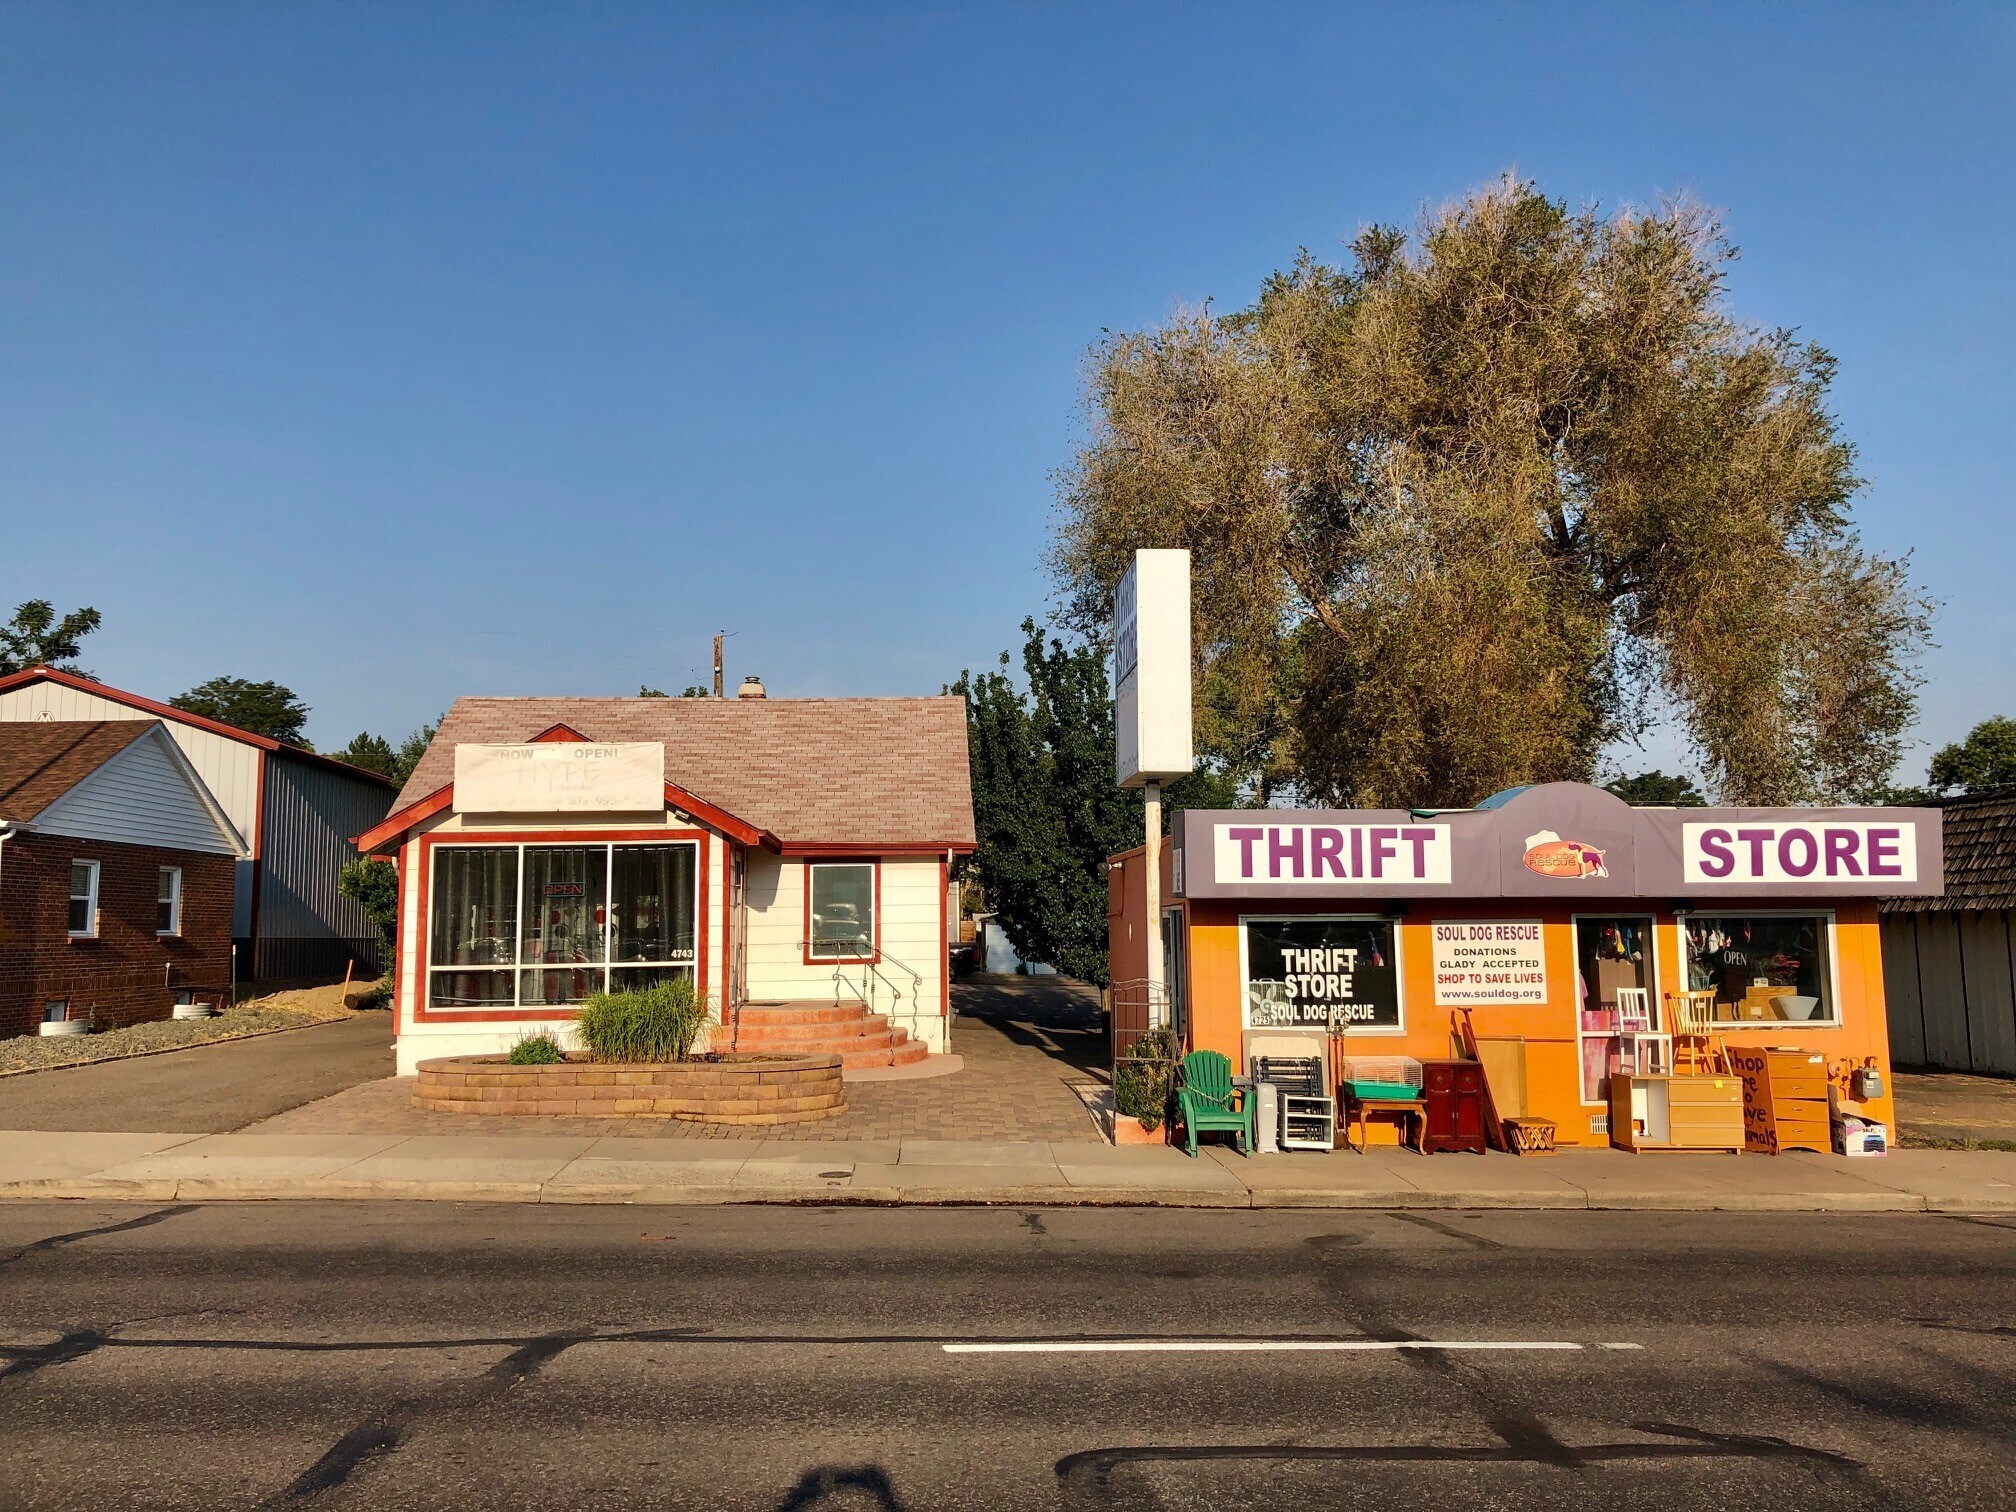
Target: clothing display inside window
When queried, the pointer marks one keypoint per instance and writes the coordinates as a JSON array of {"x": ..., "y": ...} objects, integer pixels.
[
  {"x": 1611, "y": 955},
  {"x": 1762, "y": 967}
]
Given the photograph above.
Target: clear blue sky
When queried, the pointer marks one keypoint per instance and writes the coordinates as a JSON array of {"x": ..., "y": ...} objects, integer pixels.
[{"x": 397, "y": 352}]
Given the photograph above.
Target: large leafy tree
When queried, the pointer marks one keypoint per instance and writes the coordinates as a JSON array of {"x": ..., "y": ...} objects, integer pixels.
[
  {"x": 264, "y": 708},
  {"x": 1045, "y": 802},
  {"x": 1984, "y": 761},
  {"x": 36, "y": 637},
  {"x": 1463, "y": 510}
]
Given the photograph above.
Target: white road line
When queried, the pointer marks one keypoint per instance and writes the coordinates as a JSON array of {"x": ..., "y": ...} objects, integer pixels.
[{"x": 1253, "y": 1346}]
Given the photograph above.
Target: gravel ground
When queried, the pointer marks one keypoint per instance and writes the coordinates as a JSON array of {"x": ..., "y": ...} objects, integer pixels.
[{"x": 293, "y": 1009}]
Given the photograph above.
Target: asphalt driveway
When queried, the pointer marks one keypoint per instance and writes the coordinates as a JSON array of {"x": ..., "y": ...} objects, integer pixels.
[{"x": 209, "y": 1089}]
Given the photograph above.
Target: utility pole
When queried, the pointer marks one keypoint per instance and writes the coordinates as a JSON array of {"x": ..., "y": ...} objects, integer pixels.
[
  {"x": 719, "y": 636},
  {"x": 1158, "y": 988}
]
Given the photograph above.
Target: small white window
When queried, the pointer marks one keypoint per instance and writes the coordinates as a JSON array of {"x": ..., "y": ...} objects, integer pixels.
[
  {"x": 841, "y": 904},
  {"x": 83, "y": 900},
  {"x": 168, "y": 902},
  {"x": 56, "y": 1010}
]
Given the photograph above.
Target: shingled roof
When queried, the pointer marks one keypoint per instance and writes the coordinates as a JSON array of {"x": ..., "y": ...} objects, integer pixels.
[
  {"x": 42, "y": 759},
  {"x": 827, "y": 771},
  {"x": 1980, "y": 857}
]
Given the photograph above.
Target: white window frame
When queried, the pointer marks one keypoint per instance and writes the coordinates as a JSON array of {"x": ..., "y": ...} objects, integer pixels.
[
  {"x": 1654, "y": 996},
  {"x": 874, "y": 870},
  {"x": 1737, "y": 911},
  {"x": 1370, "y": 1031},
  {"x": 173, "y": 876},
  {"x": 518, "y": 965},
  {"x": 90, "y": 932}
]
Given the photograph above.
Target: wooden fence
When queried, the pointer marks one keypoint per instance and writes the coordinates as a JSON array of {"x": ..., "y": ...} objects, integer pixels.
[{"x": 1950, "y": 982}]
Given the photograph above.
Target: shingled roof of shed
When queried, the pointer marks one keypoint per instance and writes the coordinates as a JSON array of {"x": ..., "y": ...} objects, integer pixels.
[
  {"x": 1980, "y": 837},
  {"x": 42, "y": 759},
  {"x": 829, "y": 771}
]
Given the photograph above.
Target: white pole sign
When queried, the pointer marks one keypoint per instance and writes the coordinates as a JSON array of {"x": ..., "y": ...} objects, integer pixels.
[
  {"x": 1151, "y": 669},
  {"x": 560, "y": 778}
]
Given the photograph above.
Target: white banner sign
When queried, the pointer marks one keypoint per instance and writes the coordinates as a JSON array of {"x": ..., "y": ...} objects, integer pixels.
[
  {"x": 1851, "y": 850},
  {"x": 1489, "y": 961},
  {"x": 1151, "y": 669},
  {"x": 560, "y": 778}
]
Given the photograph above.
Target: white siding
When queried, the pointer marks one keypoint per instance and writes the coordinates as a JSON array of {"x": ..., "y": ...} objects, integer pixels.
[
  {"x": 911, "y": 940},
  {"x": 142, "y": 796}
]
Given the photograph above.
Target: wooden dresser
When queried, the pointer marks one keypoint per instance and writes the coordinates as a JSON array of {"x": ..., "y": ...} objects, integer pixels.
[
  {"x": 1676, "y": 1112},
  {"x": 1784, "y": 1099}
]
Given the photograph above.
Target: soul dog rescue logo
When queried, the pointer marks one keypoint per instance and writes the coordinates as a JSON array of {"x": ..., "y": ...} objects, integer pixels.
[{"x": 1551, "y": 856}]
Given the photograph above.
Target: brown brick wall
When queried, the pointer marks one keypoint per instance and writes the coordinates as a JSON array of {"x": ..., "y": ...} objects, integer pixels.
[{"x": 127, "y": 975}]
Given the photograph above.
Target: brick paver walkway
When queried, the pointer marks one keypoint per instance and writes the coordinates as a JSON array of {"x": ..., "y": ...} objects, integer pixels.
[{"x": 1024, "y": 1040}]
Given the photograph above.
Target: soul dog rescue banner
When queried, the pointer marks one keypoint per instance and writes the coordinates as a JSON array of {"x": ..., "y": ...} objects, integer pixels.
[
  {"x": 1335, "y": 974},
  {"x": 1489, "y": 961}
]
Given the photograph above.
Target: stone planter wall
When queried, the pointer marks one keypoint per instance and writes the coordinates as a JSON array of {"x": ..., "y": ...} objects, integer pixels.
[{"x": 733, "y": 1090}]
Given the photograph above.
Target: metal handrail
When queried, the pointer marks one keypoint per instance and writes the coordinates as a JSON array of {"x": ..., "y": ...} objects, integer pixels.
[{"x": 871, "y": 968}]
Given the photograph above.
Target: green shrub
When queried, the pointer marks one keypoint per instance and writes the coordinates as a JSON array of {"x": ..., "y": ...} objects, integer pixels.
[
  {"x": 1144, "y": 1079},
  {"x": 650, "y": 1024},
  {"x": 539, "y": 1049}
]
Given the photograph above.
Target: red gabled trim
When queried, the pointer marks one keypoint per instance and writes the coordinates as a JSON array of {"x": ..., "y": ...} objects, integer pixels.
[
  {"x": 741, "y": 831},
  {"x": 855, "y": 849},
  {"x": 423, "y": 977},
  {"x": 180, "y": 716},
  {"x": 560, "y": 734},
  {"x": 874, "y": 863},
  {"x": 392, "y": 826}
]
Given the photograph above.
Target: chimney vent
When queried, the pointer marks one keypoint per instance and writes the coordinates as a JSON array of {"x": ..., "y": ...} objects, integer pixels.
[{"x": 752, "y": 687}]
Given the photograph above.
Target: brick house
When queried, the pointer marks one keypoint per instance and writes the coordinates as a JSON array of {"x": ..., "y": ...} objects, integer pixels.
[
  {"x": 792, "y": 856},
  {"x": 116, "y": 876}
]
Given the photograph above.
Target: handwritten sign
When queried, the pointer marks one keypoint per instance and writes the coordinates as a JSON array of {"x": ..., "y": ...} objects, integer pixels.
[
  {"x": 1489, "y": 961},
  {"x": 569, "y": 778}
]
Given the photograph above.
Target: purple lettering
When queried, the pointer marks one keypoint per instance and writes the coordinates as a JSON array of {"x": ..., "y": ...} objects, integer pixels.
[
  {"x": 1326, "y": 846},
  {"x": 1804, "y": 866},
  {"x": 1357, "y": 853},
  {"x": 1716, "y": 858},
  {"x": 1246, "y": 835},
  {"x": 1382, "y": 849},
  {"x": 1419, "y": 839},
  {"x": 1841, "y": 860},
  {"x": 1279, "y": 850},
  {"x": 1756, "y": 839},
  {"x": 1883, "y": 859}
]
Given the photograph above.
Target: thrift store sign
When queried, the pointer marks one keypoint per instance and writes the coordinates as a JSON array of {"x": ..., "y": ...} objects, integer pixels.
[
  {"x": 1333, "y": 974},
  {"x": 569, "y": 778},
  {"x": 1849, "y": 851},
  {"x": 1402, "y": 855},
  {"x": 1489, "y": 961}
]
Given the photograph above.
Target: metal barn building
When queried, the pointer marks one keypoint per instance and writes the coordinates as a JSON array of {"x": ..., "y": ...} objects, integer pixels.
[
  {"x": 296, "y": 809},
  {"x": 1949, "y": 963}
]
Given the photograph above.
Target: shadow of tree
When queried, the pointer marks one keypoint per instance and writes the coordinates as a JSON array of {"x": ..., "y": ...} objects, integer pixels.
[{"x": 842, "y": 1488}]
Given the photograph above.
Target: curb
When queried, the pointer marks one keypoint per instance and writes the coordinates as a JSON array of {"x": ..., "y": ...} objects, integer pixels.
[{"x": 807, "y": 1194}]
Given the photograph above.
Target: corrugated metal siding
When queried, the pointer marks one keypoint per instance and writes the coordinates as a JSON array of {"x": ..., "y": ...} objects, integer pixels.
[
  {"x": 229, "y": 768},
  {"x": 139, "y": 797},
  {"x": 306, "y": 926}
]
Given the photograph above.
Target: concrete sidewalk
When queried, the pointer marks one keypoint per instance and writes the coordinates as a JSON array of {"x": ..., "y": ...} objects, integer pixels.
[{"x": 617, "y": 1169}]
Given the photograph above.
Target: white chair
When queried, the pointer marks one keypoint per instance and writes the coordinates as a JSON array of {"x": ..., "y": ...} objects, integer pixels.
[{"x": 1642, "y": 1050}]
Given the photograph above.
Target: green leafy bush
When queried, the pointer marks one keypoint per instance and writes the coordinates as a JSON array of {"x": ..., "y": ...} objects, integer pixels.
[
  {"x": 650, "y": 1024},
  {"x": 539, "y": 1049},
  {"x": 1144, "y": 1078}
]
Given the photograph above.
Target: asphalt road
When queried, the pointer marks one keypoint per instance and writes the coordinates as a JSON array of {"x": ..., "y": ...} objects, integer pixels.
[
  {"x": 208, "y": 1089},
  {"x": 420, "y": 1355}
]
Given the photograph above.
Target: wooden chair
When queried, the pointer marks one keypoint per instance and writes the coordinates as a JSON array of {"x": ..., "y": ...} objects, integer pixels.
[
  {"x": 1208, "y": 1100},
  {"x": 1695, "y": 1030},
  {"x": 1642, "y": 1048}
]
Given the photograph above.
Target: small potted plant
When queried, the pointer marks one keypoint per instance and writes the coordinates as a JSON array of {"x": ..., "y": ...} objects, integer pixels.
[{"x": 1143, "y": 1082}]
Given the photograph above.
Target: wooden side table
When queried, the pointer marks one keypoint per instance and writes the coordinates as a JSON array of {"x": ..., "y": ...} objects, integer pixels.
[{"x": 1358, "y": 1109}]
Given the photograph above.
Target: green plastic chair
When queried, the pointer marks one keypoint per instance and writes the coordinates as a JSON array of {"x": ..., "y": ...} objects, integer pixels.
[{"x": 1210, "y": 1101}]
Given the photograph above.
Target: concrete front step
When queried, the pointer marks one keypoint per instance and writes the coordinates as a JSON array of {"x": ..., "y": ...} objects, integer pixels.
[
  {"x": 771, "y": 1032},
  {"x": 810, "y": 1011},
  {"x": 906, "y": 1054}
]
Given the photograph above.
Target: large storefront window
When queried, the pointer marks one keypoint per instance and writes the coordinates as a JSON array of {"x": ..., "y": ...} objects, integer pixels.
[
  {"x": 1339, "y": 974},
  {"x": 552, "y": 925},
  {"x": 1764, "y": 968}
]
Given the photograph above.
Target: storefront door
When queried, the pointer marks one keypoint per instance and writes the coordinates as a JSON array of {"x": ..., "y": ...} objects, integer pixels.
[
  {"x": 1174, "y": 978},
  {"x": 1611, "y": 952}
]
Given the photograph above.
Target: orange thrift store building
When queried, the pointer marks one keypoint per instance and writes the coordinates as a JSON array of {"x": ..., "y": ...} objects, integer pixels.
[{"x": 1529, "y": 914}]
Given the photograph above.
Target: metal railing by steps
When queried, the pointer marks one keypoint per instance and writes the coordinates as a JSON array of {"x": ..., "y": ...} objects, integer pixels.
[{"x": 871, "y": 974}]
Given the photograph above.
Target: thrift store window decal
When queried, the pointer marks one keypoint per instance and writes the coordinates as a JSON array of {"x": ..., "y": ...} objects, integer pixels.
[{"x": 1337, "y": 974}]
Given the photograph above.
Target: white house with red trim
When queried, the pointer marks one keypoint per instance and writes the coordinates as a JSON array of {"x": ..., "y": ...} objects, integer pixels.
[{"x": 794, "y": 856}]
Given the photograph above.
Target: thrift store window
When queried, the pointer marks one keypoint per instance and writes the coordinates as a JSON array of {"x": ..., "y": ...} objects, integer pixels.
[
  {"x": 1764, "y": 968},
  {"x": 1339, "y": 974},
  {"x": 530, "y": 926},
  {"x": 83, "y": 922},
  {"x": 843, "y": 911},
  {"x": 1612, "y": 954}
]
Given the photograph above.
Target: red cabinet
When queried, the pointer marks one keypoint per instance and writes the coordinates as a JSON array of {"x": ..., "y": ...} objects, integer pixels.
[{"x": 1454, "y": 1093}]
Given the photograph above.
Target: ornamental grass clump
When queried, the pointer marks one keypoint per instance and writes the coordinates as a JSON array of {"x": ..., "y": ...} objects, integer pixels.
[
  {"x": 539, "y": 1049},
  {"x": 657, "y": 1023}
]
